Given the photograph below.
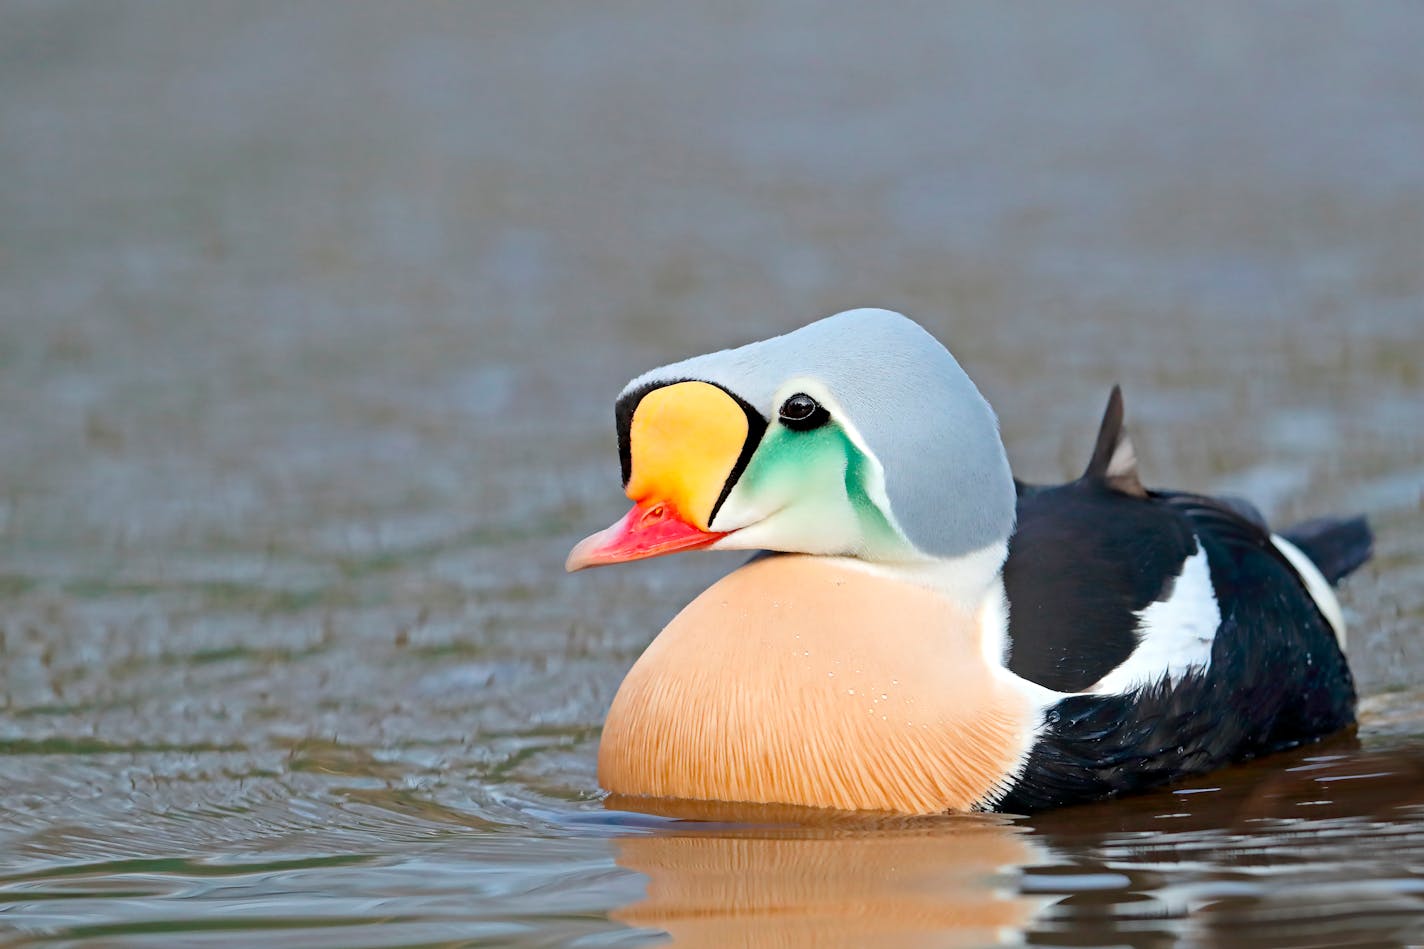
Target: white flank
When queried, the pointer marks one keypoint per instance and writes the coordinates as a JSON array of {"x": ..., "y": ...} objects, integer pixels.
[
  {"x": 1175, "y": 635},
  {"x": 1315, "y": 585}
]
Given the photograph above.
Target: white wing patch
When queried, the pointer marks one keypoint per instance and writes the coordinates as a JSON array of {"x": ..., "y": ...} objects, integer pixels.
[
  {"x": 1315, "y": 585},
  {"x": 1175, "y": 635}
]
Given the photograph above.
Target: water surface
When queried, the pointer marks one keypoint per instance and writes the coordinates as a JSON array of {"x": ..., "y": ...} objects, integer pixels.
[{"x": 310, "y": 324}]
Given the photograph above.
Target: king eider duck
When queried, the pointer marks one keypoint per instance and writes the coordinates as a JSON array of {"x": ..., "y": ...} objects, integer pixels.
[{"x": 919, "y": 632}]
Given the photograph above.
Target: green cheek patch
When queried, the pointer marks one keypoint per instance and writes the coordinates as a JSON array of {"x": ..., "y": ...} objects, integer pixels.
[{"x": 806, "y": 464}]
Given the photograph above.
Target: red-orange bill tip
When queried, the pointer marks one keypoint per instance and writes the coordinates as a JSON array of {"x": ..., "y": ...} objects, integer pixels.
[{"x": 648, "y": 530}]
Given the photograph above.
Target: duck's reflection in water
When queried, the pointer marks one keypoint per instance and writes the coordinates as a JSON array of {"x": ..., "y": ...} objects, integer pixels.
[
  {"x": 782, "y": 877},
  {"x": 1318, "y": 845}
]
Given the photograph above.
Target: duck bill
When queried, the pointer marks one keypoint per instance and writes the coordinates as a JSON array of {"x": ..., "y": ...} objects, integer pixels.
[{"x": 651, "y": 529}]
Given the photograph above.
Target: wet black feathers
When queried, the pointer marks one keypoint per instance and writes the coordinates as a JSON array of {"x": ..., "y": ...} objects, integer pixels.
[
  {"x": 1088, "y": 556},
  {"x": 1277, "y": 678},
  {"x": 1085, "y": 559},
  {"x": 1083, "y": 563}
]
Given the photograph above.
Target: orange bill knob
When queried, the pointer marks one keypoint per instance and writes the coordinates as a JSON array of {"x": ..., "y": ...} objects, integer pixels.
[{"x": 684, "y": 442}]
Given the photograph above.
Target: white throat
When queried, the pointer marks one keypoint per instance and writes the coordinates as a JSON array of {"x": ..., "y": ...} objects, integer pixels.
[{"x": 968, "y": 580}]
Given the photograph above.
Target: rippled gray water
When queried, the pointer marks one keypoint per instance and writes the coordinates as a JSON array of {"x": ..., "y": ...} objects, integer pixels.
[{"x": 310, "y": 322}]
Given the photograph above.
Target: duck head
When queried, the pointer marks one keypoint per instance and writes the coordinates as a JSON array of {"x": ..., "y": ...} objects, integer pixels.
[{"x": 858, "y": 435}]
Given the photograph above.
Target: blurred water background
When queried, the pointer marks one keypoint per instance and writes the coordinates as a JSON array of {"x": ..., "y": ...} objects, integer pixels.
[{"x": 311, "y": 317}]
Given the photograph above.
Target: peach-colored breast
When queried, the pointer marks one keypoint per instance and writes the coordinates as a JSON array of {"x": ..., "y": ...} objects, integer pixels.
[{"x": 799, "y": 680}]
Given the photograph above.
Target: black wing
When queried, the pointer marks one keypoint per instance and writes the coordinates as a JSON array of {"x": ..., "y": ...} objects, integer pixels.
[
  {"x": 1085, "y": 559},
  {"x": 1090, "y": 555},
  {"x": 1277, "y": 679}
]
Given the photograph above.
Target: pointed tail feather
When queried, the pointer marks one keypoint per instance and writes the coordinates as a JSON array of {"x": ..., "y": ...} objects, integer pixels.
[{"x": 1336, "y": 545}]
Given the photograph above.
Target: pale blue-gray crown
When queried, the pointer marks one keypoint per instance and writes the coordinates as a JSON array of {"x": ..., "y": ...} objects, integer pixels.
[{"x": 937, "y": 439}]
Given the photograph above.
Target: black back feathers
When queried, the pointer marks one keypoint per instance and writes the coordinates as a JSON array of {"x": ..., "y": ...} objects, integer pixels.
[
  {"x": 1085, "y": 559},
  {"x": 1089, "y": 556}
]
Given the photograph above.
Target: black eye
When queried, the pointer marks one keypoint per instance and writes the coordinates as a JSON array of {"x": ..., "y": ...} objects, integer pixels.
[{"x": 801, "y": 413}]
